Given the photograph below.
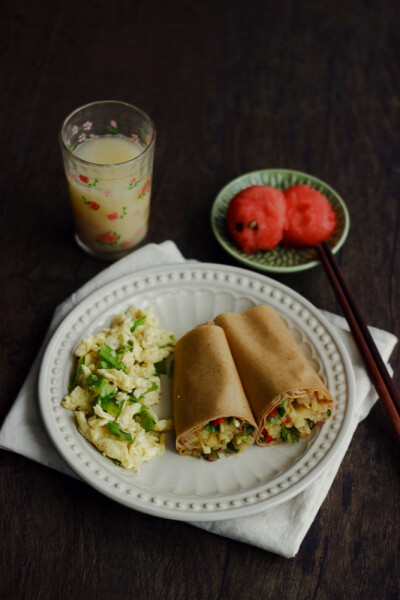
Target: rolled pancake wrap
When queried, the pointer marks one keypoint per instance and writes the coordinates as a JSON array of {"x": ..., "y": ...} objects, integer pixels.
[
  {"x": 287, "y": 397},
  {"x": 207, "y": 387}
]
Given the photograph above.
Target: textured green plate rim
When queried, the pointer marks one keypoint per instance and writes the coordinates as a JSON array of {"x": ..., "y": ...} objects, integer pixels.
[{"x": 280, "y": 259}]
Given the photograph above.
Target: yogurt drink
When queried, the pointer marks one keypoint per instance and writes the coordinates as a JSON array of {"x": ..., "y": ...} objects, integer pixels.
[{"x": 110, "y": 204}]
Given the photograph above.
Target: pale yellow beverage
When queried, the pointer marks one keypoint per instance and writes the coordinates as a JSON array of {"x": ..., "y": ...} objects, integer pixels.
[{"x": 110, "y": 192}]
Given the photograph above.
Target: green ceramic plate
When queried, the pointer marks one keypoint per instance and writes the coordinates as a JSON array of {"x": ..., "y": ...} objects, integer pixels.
[{"x": 280, "y": 259}]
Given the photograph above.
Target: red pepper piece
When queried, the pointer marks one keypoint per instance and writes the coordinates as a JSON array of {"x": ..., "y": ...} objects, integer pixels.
[
  {"x": 256, "y": 217},
  {"x": 286, "y": 419},
  {"x": 271, "y": 414},
  {"x": 268, "y": 438},
  {"x": 218, "y": 421},
  {"x": 310, "y": 218}
]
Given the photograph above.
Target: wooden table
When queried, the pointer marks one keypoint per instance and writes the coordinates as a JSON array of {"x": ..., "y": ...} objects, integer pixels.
[{"x": 232, "y": 87}]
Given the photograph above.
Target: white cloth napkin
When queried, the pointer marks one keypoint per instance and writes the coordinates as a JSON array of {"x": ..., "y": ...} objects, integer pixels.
[{"x": 279, "y": 529}]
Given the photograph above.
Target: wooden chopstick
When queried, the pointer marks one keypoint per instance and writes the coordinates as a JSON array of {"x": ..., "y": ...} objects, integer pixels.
[{"x": 380, "y": 377}]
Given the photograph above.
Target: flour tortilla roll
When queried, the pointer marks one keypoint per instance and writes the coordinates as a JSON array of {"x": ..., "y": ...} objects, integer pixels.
[
  {"x": 287, "y": 397},
  {"x": 211, "y": 412}
]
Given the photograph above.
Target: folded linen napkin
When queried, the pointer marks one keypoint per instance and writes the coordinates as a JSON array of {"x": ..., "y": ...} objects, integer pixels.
[{"x": 279, "y": 529}]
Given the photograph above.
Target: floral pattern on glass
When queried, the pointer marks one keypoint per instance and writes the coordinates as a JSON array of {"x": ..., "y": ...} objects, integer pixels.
[
  {"x": 114, "y": 216},
  {"x": 110, "y": 238},
  {"x": 86, "y": 180},
  {"x": 112, "y": 127},
  {"x": 91, "y": 204},
  {"x": 133, "y": 183},
  {"x": 146, "y": 187}
]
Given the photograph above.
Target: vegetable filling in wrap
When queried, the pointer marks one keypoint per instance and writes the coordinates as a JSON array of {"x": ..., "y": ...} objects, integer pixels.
[
  {"x": 287, "y": 397},
  {"x": 211, "y": 412}
]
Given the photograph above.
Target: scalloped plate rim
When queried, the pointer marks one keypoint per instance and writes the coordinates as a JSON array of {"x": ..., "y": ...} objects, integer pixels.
[{"x": 242, "y": 282}]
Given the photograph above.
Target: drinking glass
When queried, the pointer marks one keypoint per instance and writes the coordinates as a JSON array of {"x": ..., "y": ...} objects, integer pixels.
[{"x": 108, "y": 152}]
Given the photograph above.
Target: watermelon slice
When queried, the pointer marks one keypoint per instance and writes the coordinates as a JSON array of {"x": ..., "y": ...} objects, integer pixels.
[
  {"x": 310, "y": 218},
  {"x": 256, "y": 217}
]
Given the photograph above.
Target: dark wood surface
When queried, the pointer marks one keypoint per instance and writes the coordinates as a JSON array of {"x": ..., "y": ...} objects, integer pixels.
[{"x": 232, "y": 86}]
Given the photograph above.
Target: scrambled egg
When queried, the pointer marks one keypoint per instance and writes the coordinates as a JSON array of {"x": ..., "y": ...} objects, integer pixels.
[{"x": 117, "y": 380}]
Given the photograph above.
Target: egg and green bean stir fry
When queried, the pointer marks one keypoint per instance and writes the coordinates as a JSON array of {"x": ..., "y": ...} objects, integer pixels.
[{"x": 117, "y": 381}]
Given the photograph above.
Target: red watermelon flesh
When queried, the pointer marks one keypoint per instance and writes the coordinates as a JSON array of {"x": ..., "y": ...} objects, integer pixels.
[
  {"x": 310, "y": 218},
  {"x": 256, "y": 217}
]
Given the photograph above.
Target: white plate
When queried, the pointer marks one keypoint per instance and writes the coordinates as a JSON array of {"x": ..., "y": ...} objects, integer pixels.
[{"x": 186, "y": 488}]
